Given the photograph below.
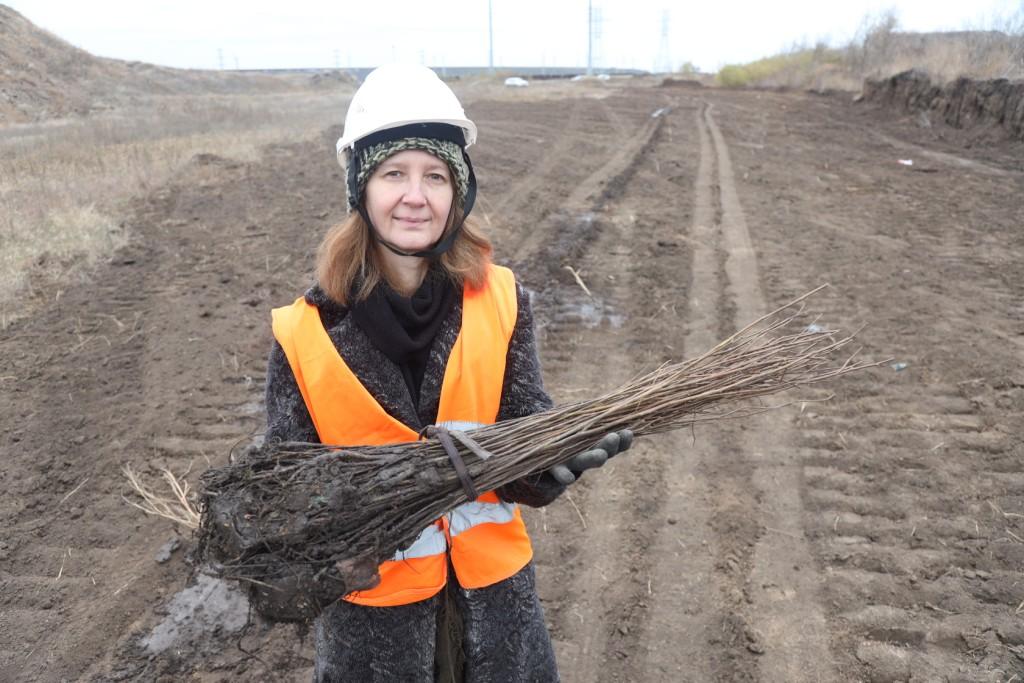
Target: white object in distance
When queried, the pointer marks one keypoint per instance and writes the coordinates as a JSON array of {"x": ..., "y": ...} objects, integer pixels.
[
  {"x": 516, "y": 82},
  {"x": 396, "y": 95},
  {"x": 906, "y": 162}
]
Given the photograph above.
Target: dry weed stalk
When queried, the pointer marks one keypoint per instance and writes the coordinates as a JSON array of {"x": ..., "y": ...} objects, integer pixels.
[
  {"x": 178, "y": 508},
  {"x": 303, "y": 524}
]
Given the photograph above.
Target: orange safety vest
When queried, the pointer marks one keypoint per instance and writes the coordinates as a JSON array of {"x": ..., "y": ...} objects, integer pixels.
[{"x": 486, "y": 537}]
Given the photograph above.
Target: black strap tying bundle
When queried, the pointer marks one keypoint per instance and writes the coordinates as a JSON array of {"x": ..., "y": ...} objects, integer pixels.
[{"x": 445, "y": 437}]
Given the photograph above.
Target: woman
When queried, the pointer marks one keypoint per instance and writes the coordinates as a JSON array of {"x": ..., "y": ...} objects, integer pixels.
[{"x": 411, "y": 325}]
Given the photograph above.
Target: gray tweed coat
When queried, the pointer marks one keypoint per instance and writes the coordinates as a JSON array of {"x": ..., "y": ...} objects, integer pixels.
[{"x": 504, "y": 637}]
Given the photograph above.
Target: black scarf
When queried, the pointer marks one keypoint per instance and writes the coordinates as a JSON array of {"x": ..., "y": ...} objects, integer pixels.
[{"x": 403, "y": 328}]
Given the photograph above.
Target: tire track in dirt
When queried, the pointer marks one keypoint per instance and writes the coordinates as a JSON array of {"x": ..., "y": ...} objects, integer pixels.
[
  {"x": 640, "y": 603},
  {"x": 911, "y": 481},
  {"x": 572, "y": 222},
  {"x": 684, "y": 616},
  {"x": 786, "y": 625},
  {"x": 588, "y": 572},
  {"x": 599, "y": 528},
  {"x": 675, "y": 626},
  {"x": 712, "y": 491},
  {"x": 556, "y": 143},
  {"x": 737, "y": 482},
  {"x": 881, "y": 529},
  {"x": 514, "y": 199},
  {"x": 620, "y": 125},
  {"x": 623, "y": 504}
]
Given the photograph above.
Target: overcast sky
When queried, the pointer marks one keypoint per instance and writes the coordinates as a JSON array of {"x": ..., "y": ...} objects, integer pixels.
[{"x": 317, "y": 33}]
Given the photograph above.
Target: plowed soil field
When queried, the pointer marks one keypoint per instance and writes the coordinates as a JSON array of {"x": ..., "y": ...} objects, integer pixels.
[{"x": 876, "y": 536}]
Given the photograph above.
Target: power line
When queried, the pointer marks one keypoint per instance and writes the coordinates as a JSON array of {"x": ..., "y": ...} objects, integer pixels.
[
  {"x": 590, "y": 37},
  {"x": 594, "y": 21},
  {"x": 490, "y": 35},
  {"x": 663, "y": 62}
]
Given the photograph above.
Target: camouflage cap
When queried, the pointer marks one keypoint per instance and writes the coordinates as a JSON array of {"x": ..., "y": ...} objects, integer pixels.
[{"x": 449, "y": 152}]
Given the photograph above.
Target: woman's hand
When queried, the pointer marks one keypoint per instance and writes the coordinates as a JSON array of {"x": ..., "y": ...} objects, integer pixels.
[{"x": 608, "y": 447}]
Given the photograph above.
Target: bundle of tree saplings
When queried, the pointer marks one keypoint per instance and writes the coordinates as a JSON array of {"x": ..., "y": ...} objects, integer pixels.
[{"x": 303, "y": 524}]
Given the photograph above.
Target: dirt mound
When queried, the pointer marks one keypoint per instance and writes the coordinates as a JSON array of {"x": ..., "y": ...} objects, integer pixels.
[
  {"x": 45, "y": 77},
  {"x": 671, "y": 82},
  {"x": 966, "y": 104}
]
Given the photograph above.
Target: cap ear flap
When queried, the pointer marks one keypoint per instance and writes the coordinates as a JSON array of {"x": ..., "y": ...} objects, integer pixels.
[
  {"x": 470, "y": 199},
  {"x": 352, "y": 179}
]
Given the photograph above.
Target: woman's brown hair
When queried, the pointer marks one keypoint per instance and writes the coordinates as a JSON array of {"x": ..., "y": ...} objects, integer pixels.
[{"x": 348, "y": 254}]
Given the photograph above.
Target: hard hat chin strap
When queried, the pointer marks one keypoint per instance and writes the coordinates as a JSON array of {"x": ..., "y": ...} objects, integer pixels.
[{"x": 439, "y": 247}]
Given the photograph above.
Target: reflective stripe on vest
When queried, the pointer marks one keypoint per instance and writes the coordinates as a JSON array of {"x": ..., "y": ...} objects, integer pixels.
[
  {"x": 468, "y": 515},
  {"x": 486, "y": 537},
  {"x": 458, "y": 425},
  {"x": 431, "y": 541}
]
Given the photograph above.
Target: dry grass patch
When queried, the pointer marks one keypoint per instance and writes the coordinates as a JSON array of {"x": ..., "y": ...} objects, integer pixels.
[
  {"x": 70, "y": 232},
  {"x": 880, "y": 50},
  {"x": 64, "y": 184}
]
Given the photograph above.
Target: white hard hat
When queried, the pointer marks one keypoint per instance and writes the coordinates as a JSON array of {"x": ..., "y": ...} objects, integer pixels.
[{"x": 396, "y": 95}]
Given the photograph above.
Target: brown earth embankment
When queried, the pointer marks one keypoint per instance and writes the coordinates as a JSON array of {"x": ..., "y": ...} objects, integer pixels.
[
  {"x": 989, "y": 105},
  {"x": 44, "y": 77}
]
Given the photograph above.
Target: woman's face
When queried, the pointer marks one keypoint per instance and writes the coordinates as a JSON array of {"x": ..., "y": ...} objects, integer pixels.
[{"x": 408, "y": 198}]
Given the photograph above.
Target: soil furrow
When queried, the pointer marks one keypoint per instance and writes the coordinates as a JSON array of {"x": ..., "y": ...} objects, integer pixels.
[
  {"x": 595, "y": 582},
  {"x": 906, "y": 445},
  {"x": 684, "y": 617},
  {"x": 785, "y": 623}
]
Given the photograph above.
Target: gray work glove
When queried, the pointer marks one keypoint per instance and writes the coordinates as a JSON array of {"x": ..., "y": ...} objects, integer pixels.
[{"x": 606, "y": 448}]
